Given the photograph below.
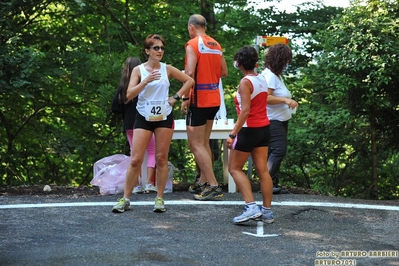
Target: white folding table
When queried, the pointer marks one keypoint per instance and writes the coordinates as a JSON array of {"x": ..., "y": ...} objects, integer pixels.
[{"x": 219, "y": 131}]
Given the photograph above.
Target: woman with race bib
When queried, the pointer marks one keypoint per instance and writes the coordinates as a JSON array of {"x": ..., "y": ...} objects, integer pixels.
[{"x": 150, "y": 82}]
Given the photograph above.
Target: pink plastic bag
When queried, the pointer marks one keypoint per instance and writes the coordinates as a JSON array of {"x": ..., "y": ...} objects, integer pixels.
[{"x": 110, "y": 174}]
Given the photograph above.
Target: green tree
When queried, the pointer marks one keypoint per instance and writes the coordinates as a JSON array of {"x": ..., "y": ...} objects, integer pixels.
[
  {"x": 60, "y": 65},
  {"x": 61, "y": 62},
  {"x": 356, "y": 72}
]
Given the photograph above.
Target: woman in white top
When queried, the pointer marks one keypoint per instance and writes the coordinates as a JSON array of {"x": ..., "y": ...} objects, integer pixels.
[
  {"x": 279, "y": 108},
  {"x": 150, "y": 82}
]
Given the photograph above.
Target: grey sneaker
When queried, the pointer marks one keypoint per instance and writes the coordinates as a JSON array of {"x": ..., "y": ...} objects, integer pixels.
[
  {"x": 250, "y": 212},
  {"x": 159, "y": 205},
  {"x": 267, "y": 216},
  {"x": 121, "y": 206},
  {"x": 150, "y": 188},
  {"x": 210, "y": 193},
  {"x": 138, "y": 190}
]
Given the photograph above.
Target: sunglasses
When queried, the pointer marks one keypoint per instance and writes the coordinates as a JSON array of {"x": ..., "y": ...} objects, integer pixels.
[{"x": 156, "y": 48}]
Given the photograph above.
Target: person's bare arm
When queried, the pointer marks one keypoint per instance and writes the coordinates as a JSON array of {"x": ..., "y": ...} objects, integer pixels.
[
  {"x": 187, "y": 81},
  {"x": 191, "y": 61},
  {"x": 271, "y": 99},
  {"x": 224, "y": 69},
  {"x": 244, "y": 89}
]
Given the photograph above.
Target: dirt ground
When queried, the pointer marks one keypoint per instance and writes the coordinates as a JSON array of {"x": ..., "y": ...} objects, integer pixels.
[{"x": 85, "y": 191}]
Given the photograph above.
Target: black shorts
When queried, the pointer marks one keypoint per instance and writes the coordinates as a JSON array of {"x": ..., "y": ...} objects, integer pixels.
[
  {"x": 199, "y": 116},
  {"x": 151, "y": 126},
  {"x": 249, "y": 138}
]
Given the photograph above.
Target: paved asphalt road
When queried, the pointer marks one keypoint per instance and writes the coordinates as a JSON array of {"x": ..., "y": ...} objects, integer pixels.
[{"x": 308, "y": 230}]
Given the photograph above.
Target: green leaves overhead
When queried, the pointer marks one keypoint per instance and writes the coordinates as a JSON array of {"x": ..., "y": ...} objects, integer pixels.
[{"x": 61, "y": 62}]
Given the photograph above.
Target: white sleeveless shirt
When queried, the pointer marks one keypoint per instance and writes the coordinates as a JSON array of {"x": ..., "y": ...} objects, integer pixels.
[{"x": 153, "y": 99}]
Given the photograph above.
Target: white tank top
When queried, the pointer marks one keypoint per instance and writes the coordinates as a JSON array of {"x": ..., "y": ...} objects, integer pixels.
[{"x": 153, "y": 99}]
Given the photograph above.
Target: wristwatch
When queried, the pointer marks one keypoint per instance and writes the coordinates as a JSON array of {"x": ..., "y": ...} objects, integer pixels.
[
  {"x": 232, "y": 136},
  {"x": 176, "y": 96}
]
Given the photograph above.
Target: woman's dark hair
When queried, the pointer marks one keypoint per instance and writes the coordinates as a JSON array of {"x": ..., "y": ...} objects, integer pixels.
[
  {"x": 277, "y": 58},
  {"x": 247, "y": 57},
  {"x": 149, "y": 41},
  {"x": 130, "y": 63}
]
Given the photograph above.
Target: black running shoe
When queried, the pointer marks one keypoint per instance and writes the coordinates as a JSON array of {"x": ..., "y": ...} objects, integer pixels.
[
  {"x": 210, "y": 193},
  {"x": 196, "y": 188}
]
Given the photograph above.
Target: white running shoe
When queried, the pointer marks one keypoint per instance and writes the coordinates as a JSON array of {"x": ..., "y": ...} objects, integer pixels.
[
  {"x": 138, "y": 190},
  {"x": 249, "y": 213},
  {"x": 150, "y": 188}
]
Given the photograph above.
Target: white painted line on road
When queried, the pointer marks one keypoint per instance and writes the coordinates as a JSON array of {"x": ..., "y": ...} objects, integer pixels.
[
  {"x": 194, "y": 202},
  {"x": 337, "y": 205},
  {"x": 266, "y": 235},
  {"x": 259, "y": 231}
]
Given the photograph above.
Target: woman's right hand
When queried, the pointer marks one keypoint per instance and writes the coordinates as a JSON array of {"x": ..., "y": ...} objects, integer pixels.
[{"x": 154, "y": 75}]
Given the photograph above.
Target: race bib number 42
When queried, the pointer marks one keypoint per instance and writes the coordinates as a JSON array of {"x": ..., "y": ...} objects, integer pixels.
[{"x": 155, "y": 111}]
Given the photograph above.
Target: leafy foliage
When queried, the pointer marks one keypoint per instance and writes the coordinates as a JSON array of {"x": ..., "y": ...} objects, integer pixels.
[
  {"x": 352, "y": 74},
  {"x": 61, "y": 62}
]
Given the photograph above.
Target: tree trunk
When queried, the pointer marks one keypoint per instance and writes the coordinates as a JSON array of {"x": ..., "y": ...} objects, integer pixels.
[
  {"x": 374, "y": 176},
  {"x": 209, "y": 14}
]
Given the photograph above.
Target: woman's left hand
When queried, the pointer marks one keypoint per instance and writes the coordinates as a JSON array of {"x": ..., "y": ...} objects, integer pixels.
[{"x": 292, "y": 104}]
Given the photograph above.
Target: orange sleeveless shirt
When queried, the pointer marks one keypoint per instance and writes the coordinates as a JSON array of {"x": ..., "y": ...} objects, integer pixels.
[{"x": 205, "y": 92}]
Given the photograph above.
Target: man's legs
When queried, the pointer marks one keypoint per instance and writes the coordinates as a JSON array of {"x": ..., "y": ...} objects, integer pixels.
[
  {"x": 196, "y": 188},
  {"x": 199, "y": 122},
  {"x": 198, "y": 140}
]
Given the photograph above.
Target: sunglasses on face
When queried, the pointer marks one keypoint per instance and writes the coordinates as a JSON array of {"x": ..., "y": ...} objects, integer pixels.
[{"x": 156, "y": 48}]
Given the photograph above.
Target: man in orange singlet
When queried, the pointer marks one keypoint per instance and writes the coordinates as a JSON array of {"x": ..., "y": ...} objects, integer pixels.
[{"x": 206, "y": 64}]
